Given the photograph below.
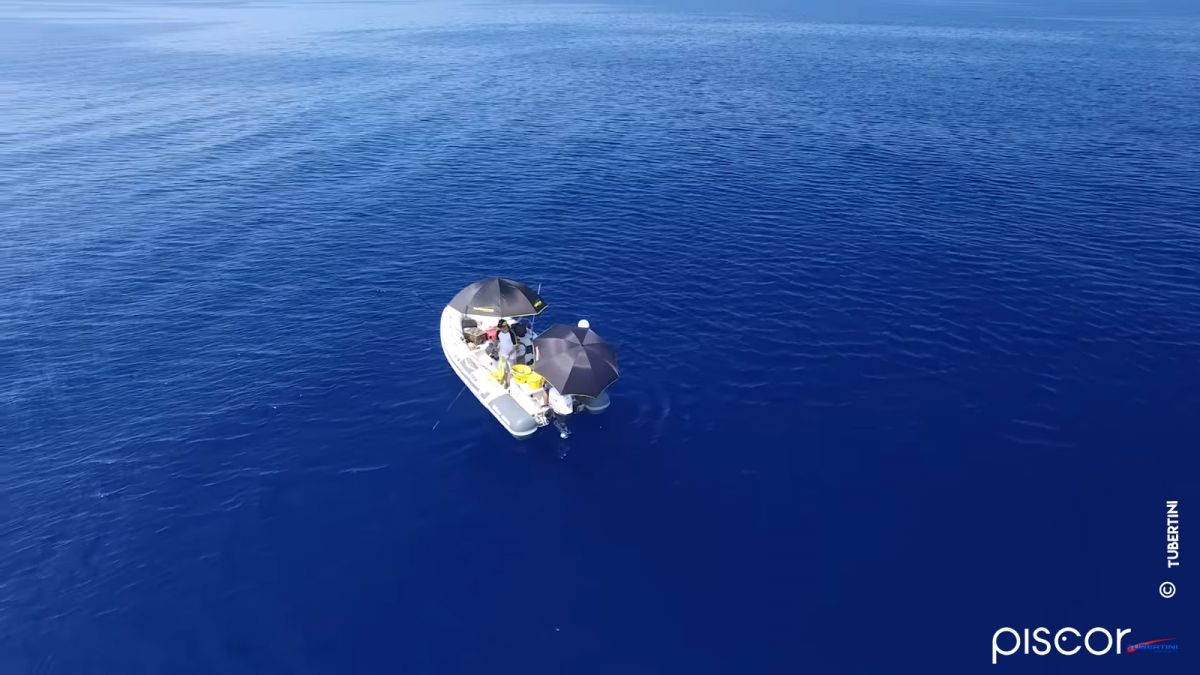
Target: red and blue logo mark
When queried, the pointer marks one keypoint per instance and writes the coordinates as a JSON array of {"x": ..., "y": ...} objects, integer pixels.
[{"x": 1160, "y": 646}]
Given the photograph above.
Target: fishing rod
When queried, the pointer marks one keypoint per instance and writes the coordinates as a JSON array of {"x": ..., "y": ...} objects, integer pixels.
[
  {"x": 439, "y": 419},
  {"x": 533, "y": 320}
]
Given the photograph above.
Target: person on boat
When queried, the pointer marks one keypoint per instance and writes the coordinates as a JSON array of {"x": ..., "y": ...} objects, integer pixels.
[
  {"x": 506, "y": 351},
  {"x": 562, "y": 405}
]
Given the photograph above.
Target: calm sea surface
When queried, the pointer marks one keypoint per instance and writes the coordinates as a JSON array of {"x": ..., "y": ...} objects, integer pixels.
[{"x": 907, "y": 300}]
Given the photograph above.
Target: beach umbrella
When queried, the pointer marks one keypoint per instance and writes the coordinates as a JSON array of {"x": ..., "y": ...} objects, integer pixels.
[
  {"x": 575, "y": 360},
  {"x": 498, "y": 297}
]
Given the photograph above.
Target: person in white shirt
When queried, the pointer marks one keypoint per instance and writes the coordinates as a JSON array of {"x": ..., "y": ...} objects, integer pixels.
[
  {"x": 507, "y": 350},
  {"x": 562, "y": 405}
]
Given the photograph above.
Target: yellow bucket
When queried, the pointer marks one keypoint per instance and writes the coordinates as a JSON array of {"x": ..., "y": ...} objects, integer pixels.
[
  {"x": 533, "y": 380},
  {"x": 521, "y": 372}
]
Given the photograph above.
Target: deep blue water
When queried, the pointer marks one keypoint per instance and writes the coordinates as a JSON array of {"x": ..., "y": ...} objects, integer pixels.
[{"x": 907, "y": 300}]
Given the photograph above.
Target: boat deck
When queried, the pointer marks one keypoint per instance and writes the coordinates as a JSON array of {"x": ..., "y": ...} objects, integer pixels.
[{"x": 531, "y": 401}]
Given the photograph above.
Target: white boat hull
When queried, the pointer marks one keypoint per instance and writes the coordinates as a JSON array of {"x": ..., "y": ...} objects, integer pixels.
[{"x": 518, "y": 409}]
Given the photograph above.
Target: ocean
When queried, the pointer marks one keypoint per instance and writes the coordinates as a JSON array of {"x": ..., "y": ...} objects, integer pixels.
[{"x": 906, "y": 298}]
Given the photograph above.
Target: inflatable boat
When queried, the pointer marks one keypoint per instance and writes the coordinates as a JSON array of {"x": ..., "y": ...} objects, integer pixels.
[{"x": 518, "y": 398}]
